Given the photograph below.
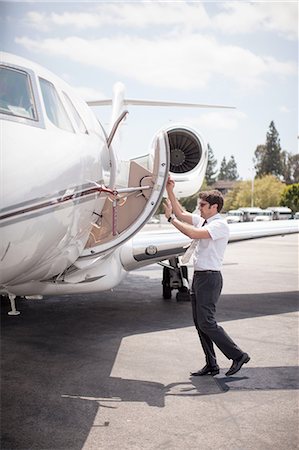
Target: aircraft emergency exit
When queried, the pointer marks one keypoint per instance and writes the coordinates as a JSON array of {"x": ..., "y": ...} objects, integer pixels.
[{"x": 71, "y": 202}]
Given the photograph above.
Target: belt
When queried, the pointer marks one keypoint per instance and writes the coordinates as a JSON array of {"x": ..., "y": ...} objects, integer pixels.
[{"x": 206, "y": 271}]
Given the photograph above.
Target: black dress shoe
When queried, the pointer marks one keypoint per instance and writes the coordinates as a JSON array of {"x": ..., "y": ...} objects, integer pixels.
[
  {"x": 237, "y": 364},
  {"x": 206, "y": 370}
]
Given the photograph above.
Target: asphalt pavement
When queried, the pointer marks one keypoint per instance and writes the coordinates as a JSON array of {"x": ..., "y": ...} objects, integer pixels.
[{"x": 111, "y": 370}]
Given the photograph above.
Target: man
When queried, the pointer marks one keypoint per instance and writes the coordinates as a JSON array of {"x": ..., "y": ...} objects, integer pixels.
[{"x": 211, "y": 233}]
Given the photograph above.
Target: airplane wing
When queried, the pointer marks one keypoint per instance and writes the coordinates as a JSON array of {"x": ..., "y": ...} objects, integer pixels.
[
  {"x": 138, "y": 102},
  {"x": 148, "y": 247}
]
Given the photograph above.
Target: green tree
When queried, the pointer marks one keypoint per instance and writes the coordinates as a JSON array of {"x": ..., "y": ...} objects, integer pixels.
[
  {"x": 231, "y": 169},
  {"x": 290, "y": 167},
  {"x": 211, "y": 172},
  {"x": 190, "y": 203},
  {"x": 295, "y": 159},
  {"x": 290, "y": 197},
  {"x": 239, "y": 196},
  {"x": 222, "y": 175},
  {"x": 269, "y": 156},
  {"x": 230, "y": 199},
  {"x": 267, "y": 192},
  {"x": 260, "y": 160}
]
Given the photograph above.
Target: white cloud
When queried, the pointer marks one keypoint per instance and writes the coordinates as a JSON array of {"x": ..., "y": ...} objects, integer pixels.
[
  {"x": 234, "y": 17},
  {"x": 136, "y": 15},
  {"x": 246, "y": 17},
  {"x": 217, "y": 120},
  {"x": 38, "y": 21},
  {"x": 88, "y": 93},
  {"x": 281, "y": 17},
  {"x": 185, "y": 62},
  {"x": 284, "y": 109}
]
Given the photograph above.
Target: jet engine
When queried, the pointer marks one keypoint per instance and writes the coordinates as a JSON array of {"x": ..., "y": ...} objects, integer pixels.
[{"x": 188, "y": 159}]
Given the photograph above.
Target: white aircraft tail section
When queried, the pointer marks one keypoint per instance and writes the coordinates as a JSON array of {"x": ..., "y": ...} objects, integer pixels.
[{"x": 188, "y": 152}]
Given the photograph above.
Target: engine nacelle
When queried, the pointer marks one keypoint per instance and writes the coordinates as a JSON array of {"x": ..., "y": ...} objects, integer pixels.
[{"x": 188, "y": 159}]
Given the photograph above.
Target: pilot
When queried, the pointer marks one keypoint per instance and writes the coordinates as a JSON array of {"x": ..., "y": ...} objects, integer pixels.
[{"x": 210, "y": 234}]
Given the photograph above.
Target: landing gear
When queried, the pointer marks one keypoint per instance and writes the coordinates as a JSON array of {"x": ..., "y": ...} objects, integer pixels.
[
  {"x": 175, "y": 276},
  {"x": 13, "y": 311},
  {"x": 166, "y": 289}
]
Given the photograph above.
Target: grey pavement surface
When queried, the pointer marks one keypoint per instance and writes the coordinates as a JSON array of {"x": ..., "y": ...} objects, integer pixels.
[{"x": 112, "y": 370}]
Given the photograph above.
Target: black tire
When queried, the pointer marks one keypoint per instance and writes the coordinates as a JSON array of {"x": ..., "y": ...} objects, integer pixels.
[
  {"x": 166, "y": 289},
  {"x": 166, "y": 292},
  {"x": 185, "y": 272},
  {"x": 183, "y": 296}
]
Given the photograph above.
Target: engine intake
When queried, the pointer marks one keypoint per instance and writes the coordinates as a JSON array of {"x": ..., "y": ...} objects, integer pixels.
[{"x": 185, "y": 150}]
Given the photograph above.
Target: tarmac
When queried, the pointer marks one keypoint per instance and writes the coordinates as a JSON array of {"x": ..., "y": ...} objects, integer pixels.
[{"x": 111, "y": 370}]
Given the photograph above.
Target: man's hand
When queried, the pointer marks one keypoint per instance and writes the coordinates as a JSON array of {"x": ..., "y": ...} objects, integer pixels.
[
  {"x": 170, "y": 184},
  {"x": 167, "y": 208}
]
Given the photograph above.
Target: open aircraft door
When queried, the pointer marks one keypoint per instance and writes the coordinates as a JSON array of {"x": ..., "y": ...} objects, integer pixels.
[{"x": 140, "y": 186}]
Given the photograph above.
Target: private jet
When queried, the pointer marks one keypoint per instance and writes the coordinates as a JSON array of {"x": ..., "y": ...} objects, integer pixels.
[{"x": 72, "y": 204}]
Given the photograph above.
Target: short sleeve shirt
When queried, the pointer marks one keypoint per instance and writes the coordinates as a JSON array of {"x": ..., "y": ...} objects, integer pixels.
[{"x": 209, "y": 253}]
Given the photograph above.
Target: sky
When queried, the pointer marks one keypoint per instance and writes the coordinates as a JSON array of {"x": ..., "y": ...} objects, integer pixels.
[{"x": 234, "y": 53}]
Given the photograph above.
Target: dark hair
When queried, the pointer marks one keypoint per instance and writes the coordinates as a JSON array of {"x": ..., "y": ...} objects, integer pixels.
[{"x": 213, "y": 198}]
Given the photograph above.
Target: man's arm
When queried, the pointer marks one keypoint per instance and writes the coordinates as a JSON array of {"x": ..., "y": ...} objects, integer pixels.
[
  {"x": 177, "y": 208},
  {"x": 185, "y": 228}
]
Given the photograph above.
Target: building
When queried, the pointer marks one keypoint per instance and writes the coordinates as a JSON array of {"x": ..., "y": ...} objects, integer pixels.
[{"x": 223, "y": 186}]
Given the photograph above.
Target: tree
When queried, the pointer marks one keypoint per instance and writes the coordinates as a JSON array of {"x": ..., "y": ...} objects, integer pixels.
[
  {"x": 211, "y": 172},
  {"x": 290, "y": 167},
  {"x": 269, "y": 156},
  {"x": 267, "y": 192},
  {"x": 295, "y": 159},
  {"x": 231, "y": 169},
  {"x": 228, "y": 170},
  {"x": 290, "y": 197},
  {"x": 222, "y": 175},
  {"x": 190, "y": 203},
  {"x": 261, "y": 160},
  {"x": 230, "y": 199}
]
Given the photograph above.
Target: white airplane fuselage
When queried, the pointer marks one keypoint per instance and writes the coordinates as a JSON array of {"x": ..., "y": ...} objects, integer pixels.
[{"x": 47, "y": 172}]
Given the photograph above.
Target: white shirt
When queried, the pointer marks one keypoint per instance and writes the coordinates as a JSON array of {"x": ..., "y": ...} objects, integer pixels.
[{"x": 208, "y": 254}]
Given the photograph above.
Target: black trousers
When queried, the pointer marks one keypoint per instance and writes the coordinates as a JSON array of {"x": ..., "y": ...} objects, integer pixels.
[{"x": 205, "y": 293}]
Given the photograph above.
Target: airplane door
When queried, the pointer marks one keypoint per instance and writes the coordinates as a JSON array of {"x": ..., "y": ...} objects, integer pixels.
[{"x": 141, "y": 186}]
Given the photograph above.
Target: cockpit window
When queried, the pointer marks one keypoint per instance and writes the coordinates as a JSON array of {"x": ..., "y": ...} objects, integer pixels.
[
  {"x": 54, "y": 107},
  {"x": 16, "y": 98},
  {"x": 75, "y": 114}
]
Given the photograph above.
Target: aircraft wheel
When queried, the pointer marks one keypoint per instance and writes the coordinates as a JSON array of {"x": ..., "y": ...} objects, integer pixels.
[
  {"x": 183, "y": 295},
  {"x": 166, "y": 292},
  {"x": 185, "y": 272},
  {"x": 166, "y": 289}
]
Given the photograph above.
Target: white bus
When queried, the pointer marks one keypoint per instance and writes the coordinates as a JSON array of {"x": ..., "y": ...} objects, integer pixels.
[
  {"x": 281, "y": 212},
  {"x": 235, "y": 216},
  {"x": 250, "y": 213},
  {"x": 264, "y": 216}
]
